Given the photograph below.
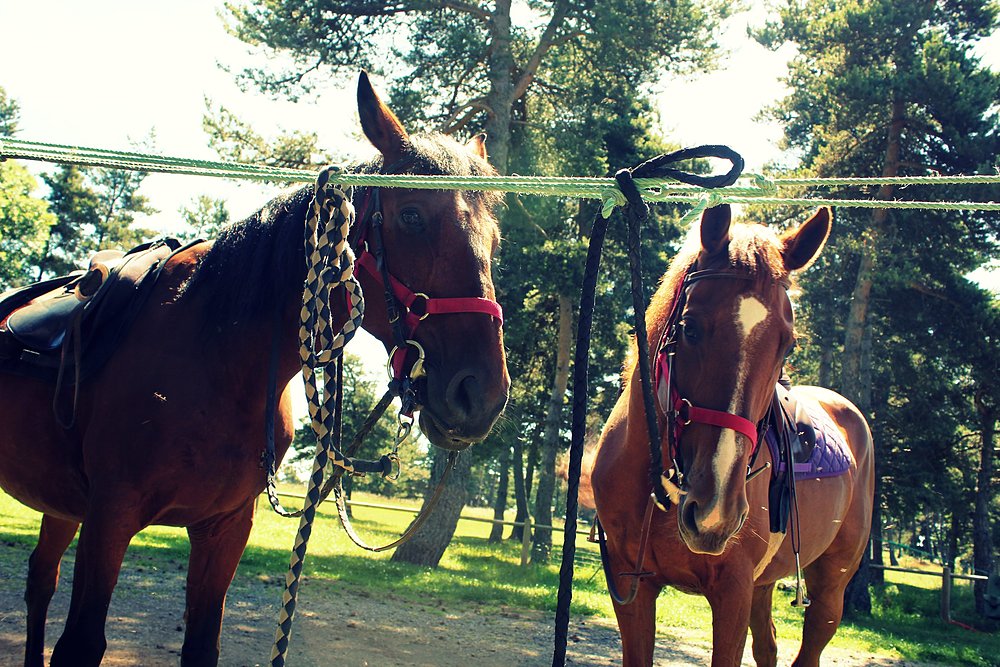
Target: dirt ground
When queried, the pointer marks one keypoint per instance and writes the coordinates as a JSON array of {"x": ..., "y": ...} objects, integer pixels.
[{"x": 348, "y": 627}]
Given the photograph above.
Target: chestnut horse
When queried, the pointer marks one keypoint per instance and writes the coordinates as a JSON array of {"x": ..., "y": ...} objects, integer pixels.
[
  {"x": 733, "y": 333},
  {"x": 171, "y": 430}
]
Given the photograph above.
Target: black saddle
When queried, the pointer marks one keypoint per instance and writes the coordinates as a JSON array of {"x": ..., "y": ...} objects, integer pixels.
[
  {"x": 792, "y": 421},
  {"x": 75, "y": 321},
  {"x": 795, "y": 437}
]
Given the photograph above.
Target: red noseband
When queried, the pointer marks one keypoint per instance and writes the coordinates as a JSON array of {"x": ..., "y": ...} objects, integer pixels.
[{"x": 692, "y": 414}]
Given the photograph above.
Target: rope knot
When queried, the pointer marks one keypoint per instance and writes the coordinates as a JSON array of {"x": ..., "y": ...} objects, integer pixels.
[{"x": 766, "y": 185}]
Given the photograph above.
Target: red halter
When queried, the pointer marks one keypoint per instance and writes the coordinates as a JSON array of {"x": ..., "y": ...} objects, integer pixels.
[
  {"x": 416, "y": 306},
  {"x": 425, "y": 305},
  {"x": 680, "y": 411}
]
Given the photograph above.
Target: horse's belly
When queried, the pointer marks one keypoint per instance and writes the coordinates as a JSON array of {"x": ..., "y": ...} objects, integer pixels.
[
  {"x": 823, "y": 505},
  {"x": 39, "y": 460}
]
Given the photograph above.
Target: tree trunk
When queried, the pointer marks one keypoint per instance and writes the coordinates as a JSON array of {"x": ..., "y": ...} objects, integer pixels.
[
  {"x": 520, "y": 493},
  {"x": 500, "y": 502},
  {"x": 982, "y": 542},
  {"x": 855, "y": 379},
  {"x": 429, "y": 543},
  {"x": 853, "y": 373},
  {"x": 500, "y": 65},
  {"x": 542, "y": 540},
  {"x": 826, "y": 366}
]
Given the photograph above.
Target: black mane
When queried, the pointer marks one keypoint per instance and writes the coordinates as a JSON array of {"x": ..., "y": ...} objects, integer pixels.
[{"x": 257, "y": 265}]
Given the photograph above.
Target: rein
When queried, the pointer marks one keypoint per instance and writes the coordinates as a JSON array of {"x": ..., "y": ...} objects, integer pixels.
[
  {"x": 331, "y": 264},
  {"x": 635, "y": 213}
]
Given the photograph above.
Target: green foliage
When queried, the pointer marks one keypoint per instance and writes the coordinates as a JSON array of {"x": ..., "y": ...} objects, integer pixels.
[
  {"x": 10, "y": 111},
  {"x": 75, "y": 205},
  {"x": 233, "y": 139},
  {"x": 95, "y": 209},
  {"x": 24, "y": 224},
  {"x": 205, "y": 217}
]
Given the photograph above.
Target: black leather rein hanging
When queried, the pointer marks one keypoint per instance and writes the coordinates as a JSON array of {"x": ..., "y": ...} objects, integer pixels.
[{"x": 635, "y": 213}]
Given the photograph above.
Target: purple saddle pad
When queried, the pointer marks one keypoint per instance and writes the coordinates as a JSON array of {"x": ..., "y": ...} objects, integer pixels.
[{"x": 830, "y": 457}]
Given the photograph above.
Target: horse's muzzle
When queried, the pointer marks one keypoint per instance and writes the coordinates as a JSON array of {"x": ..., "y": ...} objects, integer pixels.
[{"x": 705, "y": 535}]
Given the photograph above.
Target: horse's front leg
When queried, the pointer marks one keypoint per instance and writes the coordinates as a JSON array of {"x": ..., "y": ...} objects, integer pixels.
[
  {"x": 637, "y": 623},
  {"x": 54, "y": 537},
  {"x": 765, "y": 639},
  {"x": 730, "y": 596},
  {"x": 216, "y": 548},
  {"x": 108, "y": 527}
]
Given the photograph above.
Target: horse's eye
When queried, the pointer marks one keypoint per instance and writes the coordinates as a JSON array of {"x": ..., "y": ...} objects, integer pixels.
[
  {"x": 690, "y": 329},
  {"x": 411, "y": 219},
  {"x": 791, "y": 348}
]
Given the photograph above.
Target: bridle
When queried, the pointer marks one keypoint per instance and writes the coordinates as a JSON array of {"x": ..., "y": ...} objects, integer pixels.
[
  {"x": 405, "y": 308},
  {"x": 680, "y": 411}
]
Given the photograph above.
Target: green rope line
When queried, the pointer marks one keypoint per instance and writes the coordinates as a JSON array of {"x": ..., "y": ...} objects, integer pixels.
[{"x": 759, "y": 189}]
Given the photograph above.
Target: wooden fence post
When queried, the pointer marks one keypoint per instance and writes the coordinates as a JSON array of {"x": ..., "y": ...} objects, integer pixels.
[
  {"x": 526, "y": 540},
  {"x": 946, "y": 594}
]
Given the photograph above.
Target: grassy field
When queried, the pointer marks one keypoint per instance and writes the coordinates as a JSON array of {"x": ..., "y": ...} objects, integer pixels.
[{"x": 904, "y": 624}]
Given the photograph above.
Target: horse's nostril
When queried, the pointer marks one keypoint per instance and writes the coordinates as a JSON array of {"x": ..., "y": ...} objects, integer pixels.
[
  {"x": 463, "y": 394},
  {"x": 689, "y": 512}
]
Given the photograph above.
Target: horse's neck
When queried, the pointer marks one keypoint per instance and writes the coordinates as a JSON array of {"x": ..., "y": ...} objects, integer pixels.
[{"x": 635, "y": 455}]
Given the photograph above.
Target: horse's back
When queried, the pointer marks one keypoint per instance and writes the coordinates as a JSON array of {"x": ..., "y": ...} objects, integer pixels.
[{"x": 53, "y": 469}]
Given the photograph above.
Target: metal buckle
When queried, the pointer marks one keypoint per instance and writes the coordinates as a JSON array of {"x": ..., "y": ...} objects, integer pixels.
[
  {"x": 426, "y": 298},
  {"x": 683, "y": 413},
  {"x": 402, "y": 433},
  {"x": 417, "y": 370}
]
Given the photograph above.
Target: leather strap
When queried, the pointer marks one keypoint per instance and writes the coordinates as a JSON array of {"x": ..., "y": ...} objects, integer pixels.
[
  {"x": 692, "y": 414},
  {"x": 638, "y": 573}
]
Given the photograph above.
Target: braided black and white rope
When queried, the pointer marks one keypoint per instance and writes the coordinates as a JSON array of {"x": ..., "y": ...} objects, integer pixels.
[{"x": 330, "y": 265}]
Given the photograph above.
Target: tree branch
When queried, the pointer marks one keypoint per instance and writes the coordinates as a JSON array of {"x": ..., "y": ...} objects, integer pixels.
[
  {"x": 453, "y": 123},
  {"x": 545, "y": 42}
]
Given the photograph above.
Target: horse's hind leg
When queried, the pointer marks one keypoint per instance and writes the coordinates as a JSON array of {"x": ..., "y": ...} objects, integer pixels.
[
  {"x": 765, "y": 644},
  {"x": 216, "y": 548},
  {"x": 104, "y": 537},
  {"x": 54, "y": 537}
]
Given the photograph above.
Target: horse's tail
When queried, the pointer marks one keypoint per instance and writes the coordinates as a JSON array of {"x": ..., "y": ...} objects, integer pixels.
[{"x": 586, "y": 494}]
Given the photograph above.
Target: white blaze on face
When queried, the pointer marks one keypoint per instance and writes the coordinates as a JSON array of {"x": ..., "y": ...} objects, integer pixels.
[{"x": 749, "y": 314}]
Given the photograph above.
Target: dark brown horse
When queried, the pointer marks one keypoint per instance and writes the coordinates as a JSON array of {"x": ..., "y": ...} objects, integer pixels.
[
  {"x": 171, "y": 430},
  {"x": 733, "y": 330}
]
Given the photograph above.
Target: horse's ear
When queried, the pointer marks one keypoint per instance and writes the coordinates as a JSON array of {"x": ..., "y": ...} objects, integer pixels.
[
  {"x": 715, "y": 228},
  {"x": 477, "y": 145},
  {"x": 380, "y": 124},
  {"x": 799, "y": 247}
]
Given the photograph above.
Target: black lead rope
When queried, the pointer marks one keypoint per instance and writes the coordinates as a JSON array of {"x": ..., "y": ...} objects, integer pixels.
[{"x": 635, "y": 212}]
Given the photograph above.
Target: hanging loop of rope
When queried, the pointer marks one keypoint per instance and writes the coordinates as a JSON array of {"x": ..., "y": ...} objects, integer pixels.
[
  {"x": 330, "y": 265},
  {"x": 635, "y": 213}
]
